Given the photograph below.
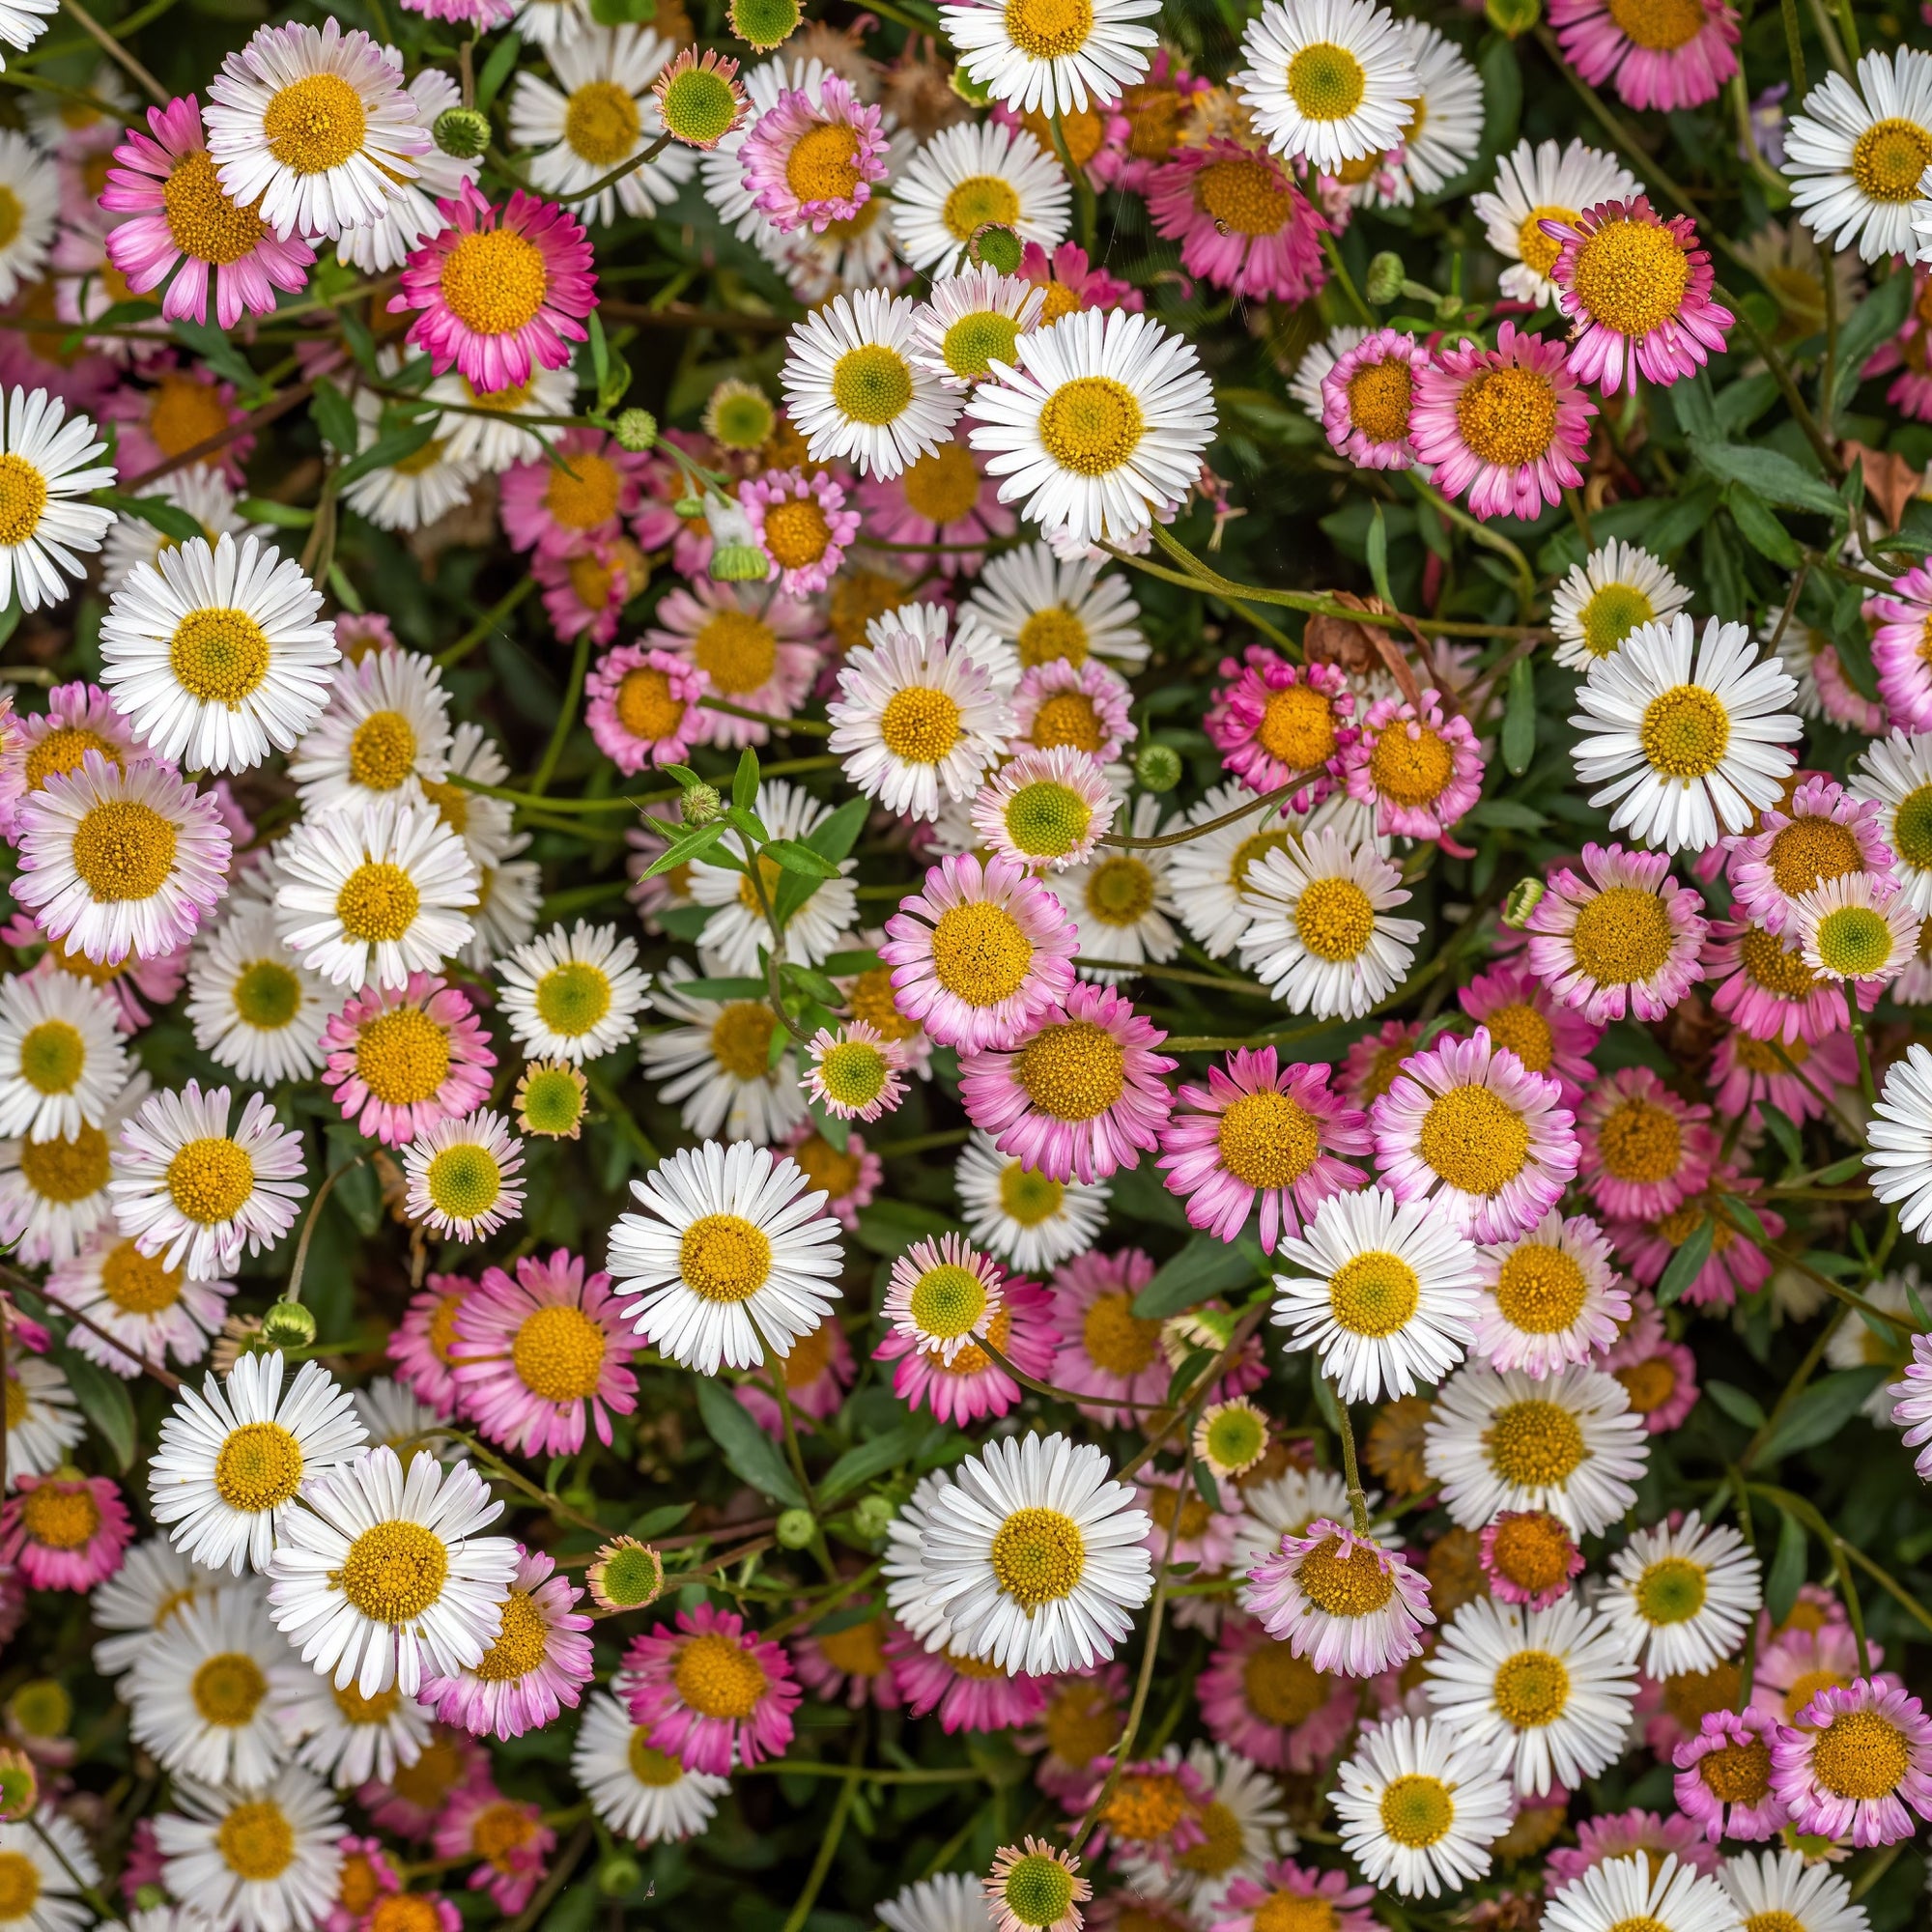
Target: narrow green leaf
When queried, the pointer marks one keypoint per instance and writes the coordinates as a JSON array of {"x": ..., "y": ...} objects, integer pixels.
[
  {"x": 170, "y": 519},
  {"x": 1822, "y": 1410},
  {"x": 1787, "y": 1568},
  {"x": 793, "y": 857},
  {"x": 724, "y": 990},
  {"x": 1379, "y": 557},
  {"x": 335, "y": 416},
  {"x": 1740, "y": 1405},
  {"x": 745, "y": 780},
  {"x": 1746, "y": 1216},
  {"x": 1203, "y": 1269},
  {"x": 866, "y": 1460},
  {"x": 659, "y": 1522},
  {"x": 497, "y": 68},
  {"x": 682, "y": 850},
  {"x": 749, "y": 1452},
  {"x": 396, "y": 447},
  {"x": 283, "y": 516},
  {"x": 1520, "y": 718},
  {"x": 1775, "y": 477},
  {"x": 1759, "y": 528},
  {"x": 1685, "y": 1263},
  {"x": 1782, "y": 1132},
  {"x": 104, "y": 1400}
]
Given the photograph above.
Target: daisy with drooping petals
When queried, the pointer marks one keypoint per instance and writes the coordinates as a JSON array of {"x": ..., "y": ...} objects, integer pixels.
[
  {"x": 1040, "y": 54},
  {"x": 1682, "y": 1598},
  {"x": 1327, "y": 81},
  {"x": 642, "y": 1794},
  {"x": 254, "y": 1007},
  {"x": 142, "y": 1311},
  {"x": 62, "y": 1064},
  {"x": 265, "y": 1860},
  {"x": 1535, "y": 184},
  {"x": 537, "y": 1665},
  {"x": 1670, "y": 56},
  {"x": 1857, "y": 155},
  {"x": 1337, "y": 1598},
  {"x": 1723, "y": 1776},
  {"x": 64, "y": 1532},
  {"x": 1419, "y": 768},
  {"x": 399, "y": 1062},
  {"x": 944, "y": 499},
  {"x": 1858, "y": 1764},
  {"x": 759, "y": 652},
  {"x": 1856, "y": 929},
  {"x": 1799, "y": 1080},
  {"x": 1606, "y": 597},
  {"x": 1284, "y": 1890},
  {"x": 1279, "y": 720},
  {"x": 463, "y": 1176},
  {"x": 850, "y": 1666},
  {"x": 711, "y": 1692},
  {"x": 1626, "y": 940},
  {"x": 48, "y": 469},
  {"x": 1245, "y": 226},
  {"x": 1420, "y": 1806},
  {"x": 506, "y": 1836},
  {"x": 1549, "y": 1298}
]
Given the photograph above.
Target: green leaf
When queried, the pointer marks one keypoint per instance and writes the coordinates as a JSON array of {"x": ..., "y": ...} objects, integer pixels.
[
  {"x": 722, "y": 989},
  {"x": 793, "y": 857},
  {"x": 1746, "y": 1216},
  {"x": 1203, "y": 1269},
  {"x": 1840, "y": 1172},
  {"x": 748, "y": 1451},
  {"x": 600, "y": 351},
  {"x": 849, "y": 965},
  {"x": 1204, "y": 1482},
  {"x": 282, "y": 516},
  {"x": 836, "y": 837},
  {"x": 1685, "y": 1263},
  {"x": 1876, "y": 319},
  {"x": 687, "y": 847},
  {"x": 387, "y": 450},
  {"x": 1760, "y": 528},
  {"x": 1696, "y": 412},
  {"x": 890, "y": 1227},
  {"x": 1378, "y": 558},
  {"x": 1325, "y": 1398},
  {"x": 104, "y": 1400},
  {"x": 745, "y": 780},
  {"x": 1520, "y": 717},
  {"x": 861, "y": 1463},
  {"x": 1782, "y": 1132},
  {"x": 1508, "y": 815},
  {"x": 170, "y": 519},
  {"x": 335, "y": 416},
  {"x": 659, "y": 1522},
  {"x": 497, "y": 68},
  {"x": 1772, "y": 474},
  {"x": 1740, "y": 1405},
  {"x": 212, "y": 346},
  {"x": 1822, "y": 1410},
  {"x": 1787, "y": 1568}
]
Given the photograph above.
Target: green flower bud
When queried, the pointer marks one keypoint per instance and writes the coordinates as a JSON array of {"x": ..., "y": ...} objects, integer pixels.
[
  {"x": 461, "y": 132},
  {"x": 701, "y": 804},
  {"x": 998, "y": 248},
  {"x": 1523, "y": 900},
  {"x": 764, "y": 23},
  {"x": 1385, "y": 277},
  {"x": 795, "y": 1529},
  {"x": 619, "y": 1875},
  {"x": 288, "y": 1324},
  {"x": 1157, "y": 767},
  {"x": 873, "y": 1514},
  {"x": 689, "y": 507},
  {"x": 739, "y": 563},
  {"x": 636, "y": 430},
  {"x": 1514, "y": 18}
]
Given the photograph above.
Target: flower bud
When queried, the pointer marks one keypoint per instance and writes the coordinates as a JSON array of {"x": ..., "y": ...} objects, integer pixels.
[
  {"x": 873, "y": 1515},
  {"x": 764, "y": 24},
  {"x": 619, "y": 1875},
  {"x": 19, "y": 1785},
  {"x": 636, "y": 430},
  {"x": 625, "y": 1574},
  {"x": 1387, "y": 275},
  {"x": 1514, "y": 18},
  {"x": 701, "y": 804},
  {"x": 795, "y": 1528},
  {"x": 996, "y": 247},
  {"x": 288, "y": 1324},
  {"x": 461, "y": 132},
  {"x": 1157, "y": 767},
  {"x": 1523, "y": 900}
]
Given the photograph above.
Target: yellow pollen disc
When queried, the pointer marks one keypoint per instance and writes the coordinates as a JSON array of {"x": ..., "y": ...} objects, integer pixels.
[
  {"x": 23, "y": 496},
  {"x": 724, "y": 1258},
  {"x": 1541, "y": 1289},
  {"x": 976, "y": 201},
  {"x": 920, "y": 725},
  {"x": 1416, "y": 1811},
  {"x": 872, "y": 1001},
  {"x": 829, "y": 1170},
  {"x": 1611, "y": 614},
  {"x": 358, "y": 1709},
  {"x": 1297, "y": 727},
  {"x": 58, "y": 1517},
  {"x": 944, "y": 485},
  {"x": 1671, "y": 1591},
  {"x": 856, "y": 1651},
  {"x": 1766, "y": 964},
  {"x": 139, "y": 1284},
  {"x": 1758, "y": 1056},
  {"x": 972, "y": 1359},
  {"x": 1770, "y": 1922},
  {"x": 981, "y": 953},
  {"x": 1632, "y": 276},
  {"x": 948, "y": 1301},
  {"x": 1057, "y": 632},
  {"x": 796, "y": 534},
  {"x": 1268, "y": 1140},
  {"x": 1091, "y": 425},
  {"x": 1047, "y": 820},
  {"x": 1889, "y": 159},
  {"x": 1806, "y": 1685},
  {"x": 741, "y": 1040},
  {"x": 1353, "y": 1586},
  {"x": 559, "y": 1353},
  {"x": 1862, "y": 1756},
  {"x": 1120, "y": 892},
  {"x": 383, "y": 752},
  {"x": 1038, "y": 1557},
  {"x": 1222, "y": 1842},
  {"x": 738, "y": 652},
  {"x": 219, "y": 656},
  {"x": 1508, "y": 416},
  {"x": 258, "y": 1467},
  {"x": 652, "y": 1766},
  {"x": 62, "y": 749},
  {"x": 394, "y": 1572},
  {"x": 1379, "y": 395},
  {"x": 464, "y": 1182},
  {"x": 378, "y": 902},
  {"x": 1532, "y": 1551},
  {"x": 1081, "y": 1721},
  {"x": 1539, "y": 251},
  {"x": 1738, "y": 1774},
  {"x": 1067, "y": 718},
  {"x": 315, "y": 124},
  {"x": 357, "y": 1889},
  {"x": 123, "y": 851},
  {"x": 586, "y": 493},
  {"x": 15, "y": 1403},
  {"x": 810, "y": 1355},
  {"x": 402, "y": 1057},
  {"x": 521, "y": 1644},
  {"x": 256, "y": 1842},
  {"x": 1912, "y": 828},
  {"x": 1049, "y": 29},
  {"x": 600, "y": 123},
  {"x": 872, "y": 385},
  {"x": 1411, "y": 771},
  {"x": 1525, "y": 1032},
  {"x": 402, "y": 1912},
  {"x": 1662, "y": 26},
  {"x": 645, "y": 707},
  {"x": 1684, "y": 732},
  {"x": 434, "y": 1775},
  {"x": 1854, "y": 942},
  {"x": 1374, "y": 1293},
  {"x": 1295, "y": 1911},
  {"x": 1073, "y": 1070},
  {"x": 1334, "y": 920},
  {"x": 1280, "y": 1688},
  {"x": 501, "y": 1832},
  {"x": 203, "y": 222},
  {"x": 1532, "y": 1689},
  {"x": 1243, "y": 197},
  {"x": 1476, "y": 1140},
  {"x": 823, "y": 164},
  {"x": 1116, "y": 1338},
  {"x": 1534, "y": 1444},
  {"x": 53, "y": 1056},
  {"x": 574, "y": 997},
  {"x": 227, "y": 1688},
  {"x": 1326, "y": 81},
  {"x": 1622, "y": 936},
  {"x": 13, "y": 214},
  {"x": 718, "y": 1678},
  {"x": 184, "y": 412},
  {"x": 209, "y": 1180}
]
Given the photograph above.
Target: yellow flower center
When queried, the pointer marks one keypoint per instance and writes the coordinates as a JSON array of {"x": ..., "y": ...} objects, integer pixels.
[
  {"x": 1661, "y": 25},
  {"x": 19, "y": 1886},
  {"x": 1334, "y": 918},
  {"x": 1047, "y": 820},
  {"x": 1611, "y": 614},
  {"x": 586, "y": 493},
  {"x": 1475, "y": 1140},
  {"x": 1622, "y": 936},
  {"x": 1280, "y": 1688},
  {"x": 227, "y": 1689},
  {"x": 1534, "y": 1444},
  {"x": 1295, "y": 1911},
  {"x": 205, "y": 224},
  {"x": 1379, "y": 395},
  {"x": 139, "y": 1284},
  {"x": 1243, "y": 197},
  {"x": 524, "y": 1639},
  {"x": 266, "y": 995},
  {"x": 1411, "y": 771},
  {"x": 315, "y": 124},
  {"x": 258, "y": 1467},
  {"x": 1417, "y": 1811},
  {"x": 943, "y": 486},
  {"x": 1889, "y": 159},
  {"x": 981, "y": 953},
  {"x": 1073, "y": 1070},
  {"x": 394, "y": 1571},
  {"x": 402, "y": 1057},
  {"x": 502, "y": 1832},
  {"x": 823, "y": 164},
  {"x": 356, "y": 1709},
  {"x": 1048, "y": 29},
  {"x": 256, "y": 1840},
  {"x": 1221, "y": 1845},
  {"x": 1081, "y": 1721},
  {"x": 1298, "y": 727},
  {"x": 573, "y": 998},
  {"x": 495, "y": 283},
  {"x": 1862, "y": 1756},
  {"x": 856, "y": 1651},
  {"x": 1525, "y": 1032},
  {"x": 1057, "y": 632},
  {"x": 1120, "y": 892},
  {"x": 183, "y": 414},
  {"x": 920, "y": 725},
  {"x": 209, "y": 1180},
  {"x": 1632, "y": 276},
  {"x": 464, "y": 1182},
  {"x": 402, "y": 1912},
  {"x": 1766, "y": 964},
  {"x": 719, "y": 1678},
  {"x": 1091, "y": 425},
  {"x": 59, "y": 1517},
  {"x": 1508, "y": 416},
  {"x": 1037, "y": 1891},
  {"x": 124, "y": 850},
  {"x": 854, "y": 1073},
  {"x": 1116, "y": 1338},
  {"x": 53, "y": 1056},
  {"x": 62, "y": 749},
  {"x": 645, "y": 707},
  {"x": 796, "y": 534},
  {"x": 724, "y": 1258},
  {"x": 650, "y": 1765},
  {"x": 948, "y": 1301},
  {"x": 741, "y": 1040},
  {"x": 1670, "y": 1591},
  {"x": 1038, "y": 1557},
  {"x": 1532, "y": 1551},
  {"x": 1854, "y": 942},
  {"x": 1069, "y": 718},
  {"x": 383, "y": 751},
  {"x": 600, "y": 123},
  {"x": 1539, "y": 251},
  {"x": 378, "y": 902},
  {"x": 1684, "y": 732},
  {"x": 1912, "y": 828},
  {"x": 1356, "y": 1585},
  {"x": 975, "y": 202},
  {"x": 1326, "y": 82},
  {"x": 1806, "y": 1685},
  {"x": 1532, "y": 1689},
  {"x": 1738, "y": 1774},
  {"x": 828, "y": 1170},
  {"x": 738, "y": 652},
  {"x": 1541, "y": 1289},
  {"x": 1268, "y": 1140},
  {"x": 559, "y": 1353},
  {"x": 872, "y": 1001},
  {"x": 1374, "y": 1293},
  {"x": 872, "y": 385}
]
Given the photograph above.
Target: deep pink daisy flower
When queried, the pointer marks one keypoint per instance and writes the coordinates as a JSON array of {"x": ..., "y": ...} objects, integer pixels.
[
  {"x": 588, "y": 590},
  {"x": 1085, "y": 1710},
  {"x": 1858, "y": 1764},
  {"x": 412, "y": 1801},
  {"x": 1911, "y": 391},
  {"x": 1152, "y": 112},
  {"x": 1747, "y": 1074},
  {"x": 1723, "y": 1778},
  {"x": 969, "y": 1694},
  {"x": 642, "y": 707},
  {"x": 368, "y": 1874},
  {"x": 1823, "y": 833},
  {"x": 1645, "y": 1150},
  {"x": 848, "y": 1178},
  {"x": 1367, "y": 397},
  {"x": 1333, "y": 1903},
  {"x": 759, "y": 648},
  {"x": 1420, "y": 769},
  {"x": 1618, "y": 1834},
  {"x": 1081, "y": 1096},
  {"x": 537, "y": 1665},
  {"x": 537, "y": 1357},
  {"x": 1105, "y": 1350},
  {"x": 1768, "y": 991},
  {"x": 568, "y": 502},
  {"x": 1505, "y": 428},
  {"x": 1261, "y": 1699},
  {"x": 972, "y": 1385},
  {"x": 1659, "y": 1376},
  {"x": 1154, "y": 1811},
  {"x": 713, "y": 1694},
  {"x": 419, "y": 1344},
  {"x": 1073, "y": 282},
  {"x": 1241, "y": 222},
  {"x": 502, "y": 290},
  {"x": 65, "y": 1533},
  {"x": 1271, "y": 720},
  {"x": 1524, "y": 1015},
  {"x": 1530, "y": 1557},
  {"x": 809, "y": 164},
  {"x": 1902, "y": 621},
  {"x": 182, "y": 229},
  {"x": 401, "y": 1059},
  {"x": 817, "y": 1373},
  {"x": 1676, "y": 54},
  {"x": 850, "y": 1666},
  {"x": 1735, "y": 1265},
  {"x": 1371, "y": 1063},
  {"x": 1623, "y": 941},
  {"x": 1792, "y": 1671},
  {"x": 508, "y": 1837},
  {"x": 1340, "y": 1600},
  {"x": 1637, "y": 290},
  {"x": 801, "y": 525},
  {"x": 1086, "y": 705},
  {"x": 1258, "y": 1130},
  {"x": 944, "y": 499}
]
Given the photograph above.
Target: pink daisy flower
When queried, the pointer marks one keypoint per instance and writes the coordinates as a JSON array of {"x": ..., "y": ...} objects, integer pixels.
[
  {"x": 80, "y": 717},
  {"x": 1153, "y": 110},
  {"x": 509, "y": 1838},
  {"x": 1801, "y": 1663},
  {"x": 1911, "y": 393},
  {"x": 1084, "y": 705},
  {"x": 713, "y": 1694},
  {"x": 1723, "y": 1778},
  {"x": 1262, "y": 1698},
  {"x": 759, "y": 650},
  {"x": 65, "y": 1533},
  {"x": 642, "y": 707},
  {"x": 1340, "y": 1600},
  {"x": 1275, "y": 720},
  {"x": 183, "y": 408},
  {"x": 1153, "y": 1812},
  {"x": 502, "y": 291},
  {"x": 1530, "y": 1557},
  {"x": 1910, "y": 1398},
  {"x": 972, "y": 1385},
  {"x": 485, "y": 15},
  {"x": 538, "y": 1356},
  {"x": 1748, "y": 1073},
  {"x": 1659, "y": 1376},
  {"x": 979, "y": 955},
  {"x": 969, "y": 1694},
  {"x": 588, "y": 590},
  {"x": 420, "y": 1342},
  {"x": 856, "y": 1060},
  {"x": 1201, "y": 1535},
  {"x": 1333, "y": 1903},
  {"x": 850, "y": 1666},
  {"x": 1085, "y": 1710},
  {"x": 1677, "y": 57},
  {"x": 812, "y": 162},
  {"x": 1618, "y": 1834},
  {"x": 817, "y": 1373},
  {"x": 1858, "y": 1765},
  {"x": 848, "y": 1178},
  {"x": 1241, "y": 222},
  {"x": 1902, "y": 622},
  {"x": 182, "y": 229},
  {"x": 1524, "y": 1015},
  {"x": 1261, "y": 1131},
  {"x": 1623, "y": 942},
  {"x": 1421, "y": 770},
  {"x": 537, "y": 1665},
  {"x": 1465, "y": 1125},
  {"x": 1551, "y": 1298},
  {"x": 401, "y": 1059},
  {"x": 1735, "y": 1265},
  {"x": 135, "y": 985},
  {"x": 1367, "y": 397},
  {"x": 1045, "y": 816},
  {"x": 944, "y": 499},
  {"x": 1504, "y": 428},
  {"x": 1768, "y": 991},
  {"x": 1083, "y": 1094},
  {"x": 366, "y": 1876},
  {"x": 573, "y": 500},
  {"x": 1823, "y": 834},
  {"x": 1370, "y": 1066},
  {"x": 411, "y": 1803},
  {"x": 801, "y": 525},
  {"x": 1645, "y": 1151},
  {"x": 1104, "y": 1348},
  {"x": 1072, "y": 282}
]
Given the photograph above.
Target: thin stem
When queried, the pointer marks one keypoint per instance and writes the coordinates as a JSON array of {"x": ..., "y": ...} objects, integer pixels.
[
  {"x": 92, "y": 1893},
  {"x": 1358, "y": 1503},
  {"x": 1480, "y": 532},
  {"x": 490, "y": 622},
  {"x": 504, "y": 1472},
  {"x": 209, "y": 445},
  {"x": 1127, "y": 841},
  {"x": 116, "y": 52},
  {"x": 641, "y": 158},
  {"x": 1339, "y": 269},
  {"x": 831, "y": 1599},
  {"x": 1222, "y": 983},
  {"x": 292, "y": 1293},
  {"x": 553, "y": 1883},
  {"x": 810, "y": 726},
  {"x": 1856, "y": 1015},
  {"x": 1082, "y": 188},
  {"x": 566, "y": 714},
  {"x": 1054, "y": 1393},
  {"x": 828, "y": 1846},
  {"x": 857, "y": 1774}
]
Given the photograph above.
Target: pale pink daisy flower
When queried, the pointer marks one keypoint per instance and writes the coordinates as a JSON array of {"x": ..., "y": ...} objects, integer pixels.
[
  {"x": 1766, "y": 990},
  {"x": 507, "y": 1837},
  {"x": 1420, "y": 769},
  {"x": 1551, "y": 1298},
  {"x": 759, "y": 648},
  {"x": 1084, "y": 705},
  {"x": 817, "y": 1373},
  {"x": 1371, "y": 1063},
  {"x": 856, "y": 1073},
  {"x": 1504, "y": 428},
  {"x": 809, "y": 164},
  {"x": 1029, "y": 812},
  {"x": 1262, "y": 1698},
  {"x": 1658, "y": 59},
  {"x": 944, "y": 499},
  {"x": 1723, "y": 1778},
  {"x": 801, "y": 522},
  {"x": 1522, "y": 1014},
  {"x": 713, "y": 1694},
  {"x": 979, "y": 955},
  {"x": 1081, "y": 1096},
  {"x": 411, "y": 1803},
  {"x": 183, "y": 229},
  {"x": 485, "y": 15},
  {"x": 1366, "y": 396},
  {"x": 1825, "y": 833},
  {"x": 972, "y": 1385},
  {"x": 1154, "y": 1808},
  {"x": 537, "y": 1357},
  {"x": 137, "y": 987},
  {"x": 848, "y": 1176},
  {"x": 182, "y": 407},
  {"x": 1858, "y": 1764},
  {"x": 368, "y": 1875},
  {"x": 563, "y": 503},
  {"x": 1912, "y": 1404},
  {"x": 537, "y": 1665},
  {"x": 1272, "y": 721},
  {"x": 1242, "y": 223},
  {"x": 1529, "y": 1557},
  {"x": 1310, "y": 1898},
  {"x": 63, "y": 1532},
  {"x": 1260, "y": 1131},
  {"x": 941, "y": 1294},
  {"x": 80, "y": 717},
  {"x": 1858, "y": 930},
  {"x": 1736, "y": 1263},
  {"x": 419, "y": 1344},
  {"x": 1798, "y": 1080},
  {"x": 1618, "y": 1834},
  {"x": 1336, "y": 1597},
  {"x": 1645, "y": 1150},
  {"x": 1659, "y": 1376},
  {"x": 501, "y": 290},
  {"x": 401, "y": 1059},
  {"x": 588, "y": 592},
  {"x": 642, "y": 707},
  {"x": 1105, "y": 1350},
  {"x": 969, "y": 1694},
  {"x": 1901, "y": 618},
  {"x": 1031, "y": 1859},
  {"x": 1465, "y": 1125},
  {"x": 1085, "y": 1710},
  {"x": 1622, "y": 941},
  {"x": 850, "y": 1666},
  {"x": 1800, "y": 1662}
]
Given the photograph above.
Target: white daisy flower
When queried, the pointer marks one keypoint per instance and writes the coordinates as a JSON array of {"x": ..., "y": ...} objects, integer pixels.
[
  {"x": 348, "y": 1738},
  {"x": 968, "y": 175},
  {"x": 1037, "y": 1556},
  {"x": 410, "y": 214},
  {"x": 1858, "y": 1345},
  {"x": 574, "y": 997},
  {"x": 24, "y": 22},
  {"x": 393, "y": 1414},
  {"x": 493, "y": 441},
  {"x": 1897, "y": 773},
  {"x": 254, "y": 1007},
  {"x": 1855, "y": 928},
  {"x": 1444, "y": 128},
  {"x": 1690, "y": 752},
  {"x": 1050, "y": 55},
  {"x": 1209, "y": 874},
  {"x": 152, "y": 1587},
  {"x": 463, "y": 1177},
  {"x": 1772, "y": 1887},
  {"x": 1099, "y": 426},
  {"x": 968, "y": 323},
  {"x": 313, "y": 127},
  {"x": 1616, "y": 589},
  {"x": 852, "y": 389},
  {"x": 510, "y": 895},
  {"x": 1030, "y": 1223},
  {"x": 642, "y": 1794},
  {"x": 1384, "y": 1291},
  {"x": 1551, "y": 1298},
  {"x": 411, "y": 493},
  {"x": 1121, "y": 901},
  {"x": 1681, "y": 1599},
  {"x": 44, "y": 1863},
  {"x": 1285, "y": 1505},
  {"x": 1568, "y": 1444},
  {"x": 386, "y": 731},
  {"x": 382, "y": 1577},
  {"x": 46, "y": 463},
  {"x": 904, "y": 1569},
  {"x": 549, "y": 24},
  {"x": 53, "y": 1194},
  {"x": 1857, "y": 156},
  {"x": 1319, "y": 935},
  {"x": 370, "y": 898},
  {"x": 232, "y": 1460},
  {"x": 262, "y": 1861},
  {"x": 1538, "y": 184},
  {"x": 1420, "y": 1808},
  {"x": 203, "y": 493},
  {"x": 1545, "y": 1693},
  {"x": 737, "y": 928},
  {"x": 150, "y": 1310},
  {"x": 203, "y": 1695},
  {"x": 730, "y": 1260},
  {"x": 217, "y": 654},
  {"x": 1243, "y": 1825},
  {"x": 599, "y": 115},
  {"x": 951, "y": 1902},
  {"x": 1317, "y": 359},
  {"x": 1327, "y": 81},
  {"x": 485, "y": 825},
  {"x": 62, "y": 1061},
  {"x": 717, "y": 1066},
  {"x": 29, "y": 208},
  {"x": 42, "y": 1419},
  {"x": 1648, "y": 1891},
  {"x": 1047, "y": 608},
  {"x": 1900, "y": 1159}
]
